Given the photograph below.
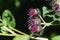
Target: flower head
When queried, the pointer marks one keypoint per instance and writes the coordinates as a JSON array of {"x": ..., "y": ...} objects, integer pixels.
[
  {"x": 34, "y": 28},
  {"x": 32, "y": 12},
  {"x": 56, "y": 5}
]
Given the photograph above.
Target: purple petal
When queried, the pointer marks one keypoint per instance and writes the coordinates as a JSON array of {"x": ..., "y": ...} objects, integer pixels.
[
  {"x": 35, "y": 28},
  {"x": 32, "y": 12},
  {"x": 55, "y": 7}
]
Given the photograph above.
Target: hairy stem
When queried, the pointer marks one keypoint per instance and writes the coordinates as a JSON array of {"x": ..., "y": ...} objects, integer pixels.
[
  {"x": 9, "y": 30},
  {"x": 2, "y": 34},
  {"x": 41, "y": 18},
  {"x": 18, "y": 31},
  {"x": 14, "y": 29}
]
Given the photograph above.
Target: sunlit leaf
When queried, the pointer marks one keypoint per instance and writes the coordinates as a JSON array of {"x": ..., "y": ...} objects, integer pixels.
[
  {"x": 56, "y": 37},
  {"x": 44, "y": 11},
  {"x": 8, "y": 18},
  {"x": 21, "y": 38}
]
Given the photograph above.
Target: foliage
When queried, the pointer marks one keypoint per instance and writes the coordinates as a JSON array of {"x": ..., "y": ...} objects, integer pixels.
[
  {"x": 8, "y": 18},
  {"x": 21, "y": 38},
  {"x": 56, "y": 37}
]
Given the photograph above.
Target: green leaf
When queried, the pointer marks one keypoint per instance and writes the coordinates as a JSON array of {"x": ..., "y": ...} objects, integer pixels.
[
  {"x": 44, "y": 11},
  {"x": 17, "y": 3},
  {"x": 53, "y": 35},
  {"x": 8, "y": 18},
  {"x": 21, "y": 38},
  {"x": 56, "y": 37}
]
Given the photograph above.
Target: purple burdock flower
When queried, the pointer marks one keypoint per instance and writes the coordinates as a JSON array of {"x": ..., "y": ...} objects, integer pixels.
[
  {"x": 35, "y": 28},
  {"x": 32, "y": 25},
  {"x": 56, "y": 7},
  {"x": 34, "y": 21},
  {"x": 32, "y": 12}
]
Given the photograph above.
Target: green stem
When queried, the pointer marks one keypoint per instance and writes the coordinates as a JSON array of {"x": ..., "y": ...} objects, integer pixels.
[
  {"x": 41, "y": 18},
  {"x": 18, "y": 31},
  {"x": 2, "y": 34},
  {"x": 55, "y": 24},
  {"x": 1, "y": 20},
  {"x": 9, "y": 30},
  {"x": 15, "y": 29},
  {"x": 32, "y": 37}
]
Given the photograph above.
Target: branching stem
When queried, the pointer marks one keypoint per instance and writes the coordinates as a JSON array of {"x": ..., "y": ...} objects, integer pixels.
[{"x": 41, "y": 18}]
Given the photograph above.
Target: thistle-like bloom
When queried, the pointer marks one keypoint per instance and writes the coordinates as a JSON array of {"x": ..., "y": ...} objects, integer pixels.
[
  {"x": 34, "y": 25},
  {"x": 32, "y": 12},
  {"x": 56, "y": 7},
  {"x": 35, "y": 28},
  {"x": 34, "y": 21}
]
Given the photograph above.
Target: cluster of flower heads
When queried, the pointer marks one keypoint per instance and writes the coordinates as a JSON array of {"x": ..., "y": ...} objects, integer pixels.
[
  {"x": 56, "y": 7},
  {"x": 34, "y": 21}
]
